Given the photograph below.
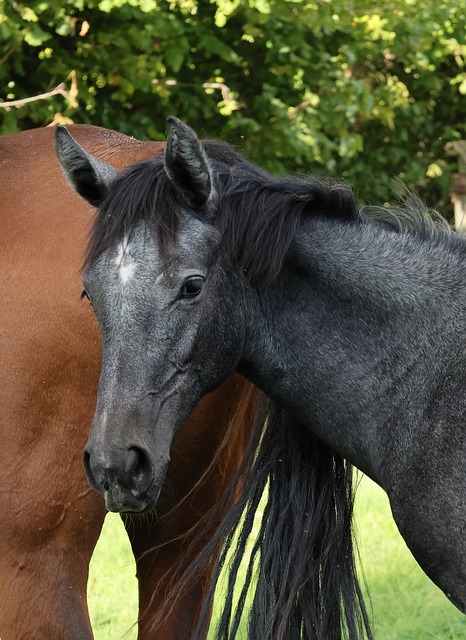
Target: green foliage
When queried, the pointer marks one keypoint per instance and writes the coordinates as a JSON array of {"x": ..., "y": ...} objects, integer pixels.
[{"x": 347, "y": 88}]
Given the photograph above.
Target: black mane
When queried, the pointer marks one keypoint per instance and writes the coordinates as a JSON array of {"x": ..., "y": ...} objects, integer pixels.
[{"x": 257, "y": 214}]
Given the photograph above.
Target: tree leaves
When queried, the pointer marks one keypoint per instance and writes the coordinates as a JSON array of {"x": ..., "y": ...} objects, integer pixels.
[{"x": 329, "y": 87}]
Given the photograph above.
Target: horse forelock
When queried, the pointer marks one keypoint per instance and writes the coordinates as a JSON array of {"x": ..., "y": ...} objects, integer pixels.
[
  {"x": 144, "y": 192},
  {"x": 141, "y": 193}
]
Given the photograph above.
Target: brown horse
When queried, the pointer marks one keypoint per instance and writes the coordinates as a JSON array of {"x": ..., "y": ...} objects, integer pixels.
[{"x": 50, "y": 519}]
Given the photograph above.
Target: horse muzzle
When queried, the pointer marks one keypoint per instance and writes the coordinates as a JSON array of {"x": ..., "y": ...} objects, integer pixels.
[{"x": 125, "y": 478}]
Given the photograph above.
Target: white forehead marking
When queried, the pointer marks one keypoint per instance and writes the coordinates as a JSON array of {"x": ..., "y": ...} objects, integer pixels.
[
  {"x": 124, "y": 262},
  {"x": 159, "y": 278}
]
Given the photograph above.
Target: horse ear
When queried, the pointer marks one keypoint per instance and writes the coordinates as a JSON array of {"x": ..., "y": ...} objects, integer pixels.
[
  {"x": 87, "y": 175},
  {"x": 187, "y": 165}
]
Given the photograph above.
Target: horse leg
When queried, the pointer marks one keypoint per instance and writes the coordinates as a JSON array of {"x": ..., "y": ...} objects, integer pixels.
[
  {"x": 160, "y": 539},
  {"x": 430, "y": 517}
]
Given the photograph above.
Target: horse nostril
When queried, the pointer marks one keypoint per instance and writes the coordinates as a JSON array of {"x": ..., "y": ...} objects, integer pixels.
[
  {"x": 87, "y": 467},
  {"x": 138, "y": 469},
  {"x": 101, "y": 481},
  {"x": 122, "y": 475}
]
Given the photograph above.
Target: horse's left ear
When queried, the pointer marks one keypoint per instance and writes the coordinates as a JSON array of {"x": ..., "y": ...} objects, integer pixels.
[
  {"x": 187, "y": 165},
  {"x": 87, "y": 175}
]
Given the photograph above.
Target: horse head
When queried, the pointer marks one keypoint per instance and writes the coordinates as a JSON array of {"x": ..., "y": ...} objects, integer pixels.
[{"x": 153, "y": 276}]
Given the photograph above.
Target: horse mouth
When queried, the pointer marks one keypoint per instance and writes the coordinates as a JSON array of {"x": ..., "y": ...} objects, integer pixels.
[{"x": 118, "y": 500}]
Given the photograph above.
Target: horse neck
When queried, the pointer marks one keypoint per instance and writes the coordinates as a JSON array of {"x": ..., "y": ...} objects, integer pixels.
[{"x": 356, "y": 335}]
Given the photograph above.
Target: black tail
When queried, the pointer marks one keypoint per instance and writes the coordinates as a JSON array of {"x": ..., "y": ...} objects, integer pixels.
[{"x": 306, "y": 587}]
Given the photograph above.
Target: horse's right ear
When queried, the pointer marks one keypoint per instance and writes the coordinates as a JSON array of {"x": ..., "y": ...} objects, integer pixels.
[{"x": 87, "y": 175}]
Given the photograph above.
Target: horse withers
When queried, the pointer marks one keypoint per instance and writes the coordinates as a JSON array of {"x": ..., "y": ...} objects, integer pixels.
[
  {"x": 352, "y": 324},
  {"x": 50, "y": 518}
]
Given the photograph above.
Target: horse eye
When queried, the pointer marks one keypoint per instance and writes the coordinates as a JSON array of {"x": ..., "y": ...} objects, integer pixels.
[{"x": 192, "y": 287}]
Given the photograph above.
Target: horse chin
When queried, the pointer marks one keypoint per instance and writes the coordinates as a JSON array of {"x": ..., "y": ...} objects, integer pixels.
[{"x": 118, "y": 500}]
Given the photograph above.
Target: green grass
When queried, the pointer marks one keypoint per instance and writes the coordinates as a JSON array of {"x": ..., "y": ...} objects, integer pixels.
[
  {"x": 112, "y": 586},
  {"x": 406, "y": 605}
]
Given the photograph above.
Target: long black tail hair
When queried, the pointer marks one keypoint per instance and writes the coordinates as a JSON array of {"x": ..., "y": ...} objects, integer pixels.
[{"x": 306, "y": 584}]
